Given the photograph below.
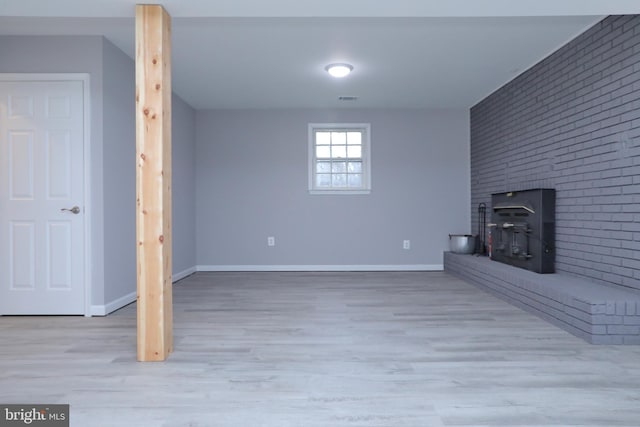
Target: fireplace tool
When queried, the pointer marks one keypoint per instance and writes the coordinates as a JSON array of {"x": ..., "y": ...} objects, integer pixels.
[{"x": 482, "y": 228}]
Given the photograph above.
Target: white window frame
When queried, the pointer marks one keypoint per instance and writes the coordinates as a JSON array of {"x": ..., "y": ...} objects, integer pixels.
[{"x": 365, "y": 128}]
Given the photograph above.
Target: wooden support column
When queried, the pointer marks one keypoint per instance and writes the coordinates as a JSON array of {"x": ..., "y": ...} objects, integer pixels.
[{"x": 153, "y": 182}]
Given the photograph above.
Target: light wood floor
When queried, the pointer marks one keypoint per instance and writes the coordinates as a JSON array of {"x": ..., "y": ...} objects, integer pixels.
[{"x": 323, "y": 349}]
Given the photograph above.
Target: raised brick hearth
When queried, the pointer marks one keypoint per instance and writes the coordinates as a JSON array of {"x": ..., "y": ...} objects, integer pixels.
[{"x": 600, "y": 314}]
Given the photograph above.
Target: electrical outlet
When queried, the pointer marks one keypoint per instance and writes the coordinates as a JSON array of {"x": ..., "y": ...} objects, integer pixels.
[
  {"x": 406, "y": 244},
  {"x": 271, "y": 241}
]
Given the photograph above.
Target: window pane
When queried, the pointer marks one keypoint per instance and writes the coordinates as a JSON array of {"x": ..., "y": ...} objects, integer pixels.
[
  {"x": 354, "y": 138},
  {"x": 338, "y": 138},
  {"x": 339, "y": 152},
  {"x": 340, "y": 160},
  {"x": 339, "y": 180},
  {"x": 323, "y": 138},
  {"x": 323, "y": 152},
  {"x": 355, "y": 180},
  {"x": 339, "y": 167},
  {"x": 323, "y": 167},
  {"x": 323, "y": 180},
  {"x": 355, "y": 167},
  {"x": 354, "y": 151}
]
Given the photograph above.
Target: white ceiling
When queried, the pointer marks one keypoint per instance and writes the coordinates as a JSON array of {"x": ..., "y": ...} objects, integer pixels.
[{"x": 405, "y": 53}]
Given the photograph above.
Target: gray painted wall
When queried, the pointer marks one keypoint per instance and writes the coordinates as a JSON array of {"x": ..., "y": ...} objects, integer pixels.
[
  {"x": 252, "y": 183},
  {"x": 572, "y": 123},
  {"x": 112, "y": 173},
  {"x": 184, "y": 187},
  {"x": 119, "y": 164},
  {"x": 120, "y": 188}
]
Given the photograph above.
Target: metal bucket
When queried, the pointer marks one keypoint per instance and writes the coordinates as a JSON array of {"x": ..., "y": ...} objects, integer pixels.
[{"x": 462, "y": 243}]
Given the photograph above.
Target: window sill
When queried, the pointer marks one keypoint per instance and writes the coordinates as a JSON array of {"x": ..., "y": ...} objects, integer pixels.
[{"x": 339, "y": 192}]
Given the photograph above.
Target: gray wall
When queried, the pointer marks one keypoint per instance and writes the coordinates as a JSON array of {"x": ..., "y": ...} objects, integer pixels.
[
  {"x": 184, "y": 187},
  {"x": 572, "y": 123},
  {"x": 118, "y": 162},
  {"x": 112, "y": 172},
  {"x": 120, "y": 187},
  {"x": 252, "y": 183}
]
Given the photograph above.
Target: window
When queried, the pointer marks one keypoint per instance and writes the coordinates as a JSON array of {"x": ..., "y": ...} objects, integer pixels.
[{"x": 339, "y": 158}]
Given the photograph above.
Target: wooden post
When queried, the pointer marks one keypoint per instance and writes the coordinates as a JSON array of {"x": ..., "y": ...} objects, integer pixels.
[{"x": 153, "y": 182}]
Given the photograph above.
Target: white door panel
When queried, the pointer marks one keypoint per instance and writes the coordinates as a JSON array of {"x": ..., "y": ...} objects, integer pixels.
[{"x": 41, "y": 174}]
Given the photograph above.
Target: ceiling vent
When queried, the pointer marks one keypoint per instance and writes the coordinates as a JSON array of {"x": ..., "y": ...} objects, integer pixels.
[{"x": 347, "y": 98}]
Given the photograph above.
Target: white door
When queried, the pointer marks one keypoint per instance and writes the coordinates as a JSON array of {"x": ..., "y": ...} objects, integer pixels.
[{"x": 41, "y": 197}]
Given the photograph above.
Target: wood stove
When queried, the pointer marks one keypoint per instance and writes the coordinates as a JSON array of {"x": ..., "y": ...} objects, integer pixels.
[{"x": 522, "y": 229}]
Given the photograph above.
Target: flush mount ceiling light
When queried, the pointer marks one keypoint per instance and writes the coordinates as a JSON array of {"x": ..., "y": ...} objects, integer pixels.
[{"x": 339, "y": 70}]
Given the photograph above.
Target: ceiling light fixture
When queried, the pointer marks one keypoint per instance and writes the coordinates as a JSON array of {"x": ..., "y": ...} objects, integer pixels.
[{"x": 339, "y": 70}]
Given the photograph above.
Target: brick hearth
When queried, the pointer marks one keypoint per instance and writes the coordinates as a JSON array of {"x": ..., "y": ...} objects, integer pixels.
[{"x": 597, "y": 313}]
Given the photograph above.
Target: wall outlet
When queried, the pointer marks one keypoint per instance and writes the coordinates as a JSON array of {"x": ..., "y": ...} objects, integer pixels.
[
  {"x": 271, "y": 241},
  {"x": 406, "y": 244}
]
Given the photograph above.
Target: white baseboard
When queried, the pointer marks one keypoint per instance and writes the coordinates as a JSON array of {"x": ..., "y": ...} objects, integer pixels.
[
  {"x": 374, "y": 267},
  {"x": 103, "y": 310},
  {"x": 184, "y": 273}
]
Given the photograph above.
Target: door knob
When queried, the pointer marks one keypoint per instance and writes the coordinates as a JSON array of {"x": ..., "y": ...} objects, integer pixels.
[{"x": 74, "y": 210}]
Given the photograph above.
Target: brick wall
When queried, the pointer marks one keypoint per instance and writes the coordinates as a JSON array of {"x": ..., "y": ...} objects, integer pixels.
[{"x": 572, "y": 122}]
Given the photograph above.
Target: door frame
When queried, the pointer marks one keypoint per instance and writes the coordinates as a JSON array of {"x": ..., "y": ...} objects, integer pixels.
[{"x": 86, "y": 89}]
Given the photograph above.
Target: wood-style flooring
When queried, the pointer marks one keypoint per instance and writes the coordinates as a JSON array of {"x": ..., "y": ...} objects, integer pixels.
[{"x": 323, "y": 349}]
